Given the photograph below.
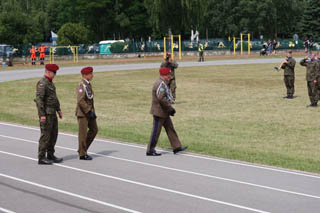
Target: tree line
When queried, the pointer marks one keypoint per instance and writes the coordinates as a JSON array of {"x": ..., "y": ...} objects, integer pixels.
[{"x": 90, "y": 21}]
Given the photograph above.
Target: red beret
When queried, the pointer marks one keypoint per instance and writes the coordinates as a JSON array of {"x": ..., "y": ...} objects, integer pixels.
[
  {"x": 52, "y": 67},
  {"x": 86, "y": 70},
  {"x": 165, "y": 71}
]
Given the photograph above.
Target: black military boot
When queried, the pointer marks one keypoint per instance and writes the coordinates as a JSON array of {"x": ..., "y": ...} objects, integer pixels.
[
  {"x": 44, "y": 161},
  {"x": 54, "y": 158},
  {"x": 179, "y": 149}
]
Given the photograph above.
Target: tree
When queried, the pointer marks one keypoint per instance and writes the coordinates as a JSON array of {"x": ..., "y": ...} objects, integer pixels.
[
  {"x": 14, "y": 24},
  {"x": 310, "y": 19},
  {"x": 73, "y": 34}
]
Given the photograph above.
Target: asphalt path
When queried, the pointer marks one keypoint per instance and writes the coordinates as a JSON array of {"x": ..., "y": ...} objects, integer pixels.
[
  {"x": 33, "y": 73},
  {"x": 121, "y": 178}
]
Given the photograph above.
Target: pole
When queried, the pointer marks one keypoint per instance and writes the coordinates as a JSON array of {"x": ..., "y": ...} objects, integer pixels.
[
  {"x": 249, "y": 45},
  {"x": 234, "y": 45},
  {"x": 241, "y": 44},
  {"x": 172, "y": 55},
  {"x": 164, "y": 47},
  {"x": 179, "y": 47}
]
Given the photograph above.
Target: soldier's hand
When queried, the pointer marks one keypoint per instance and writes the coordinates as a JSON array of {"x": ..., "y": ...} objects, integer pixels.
[
  {"x": 306, "y": 57},
  {"x": 172, "y": 112},
  {"x": 315, "y": 81},
  {"x": 60, "y": 114},
  {"x": 43, "y": 119},
  {"x": 92, "y": 115}
]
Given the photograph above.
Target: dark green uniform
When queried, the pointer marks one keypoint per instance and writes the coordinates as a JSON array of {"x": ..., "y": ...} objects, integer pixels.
[
  {"x": 172, "y": 83},
  {"x": 289, "y": 76},
  {"x": 318, "y": 78},
  {"x": 48, "y": 105},
  {"x": 311, "y": 75}
]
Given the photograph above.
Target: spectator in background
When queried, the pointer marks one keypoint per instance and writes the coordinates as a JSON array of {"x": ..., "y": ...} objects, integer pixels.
[
  {"x": 274, "y": 46},
  {"x": 269, "y": 47},
  {"x": 306, "y": 44}
]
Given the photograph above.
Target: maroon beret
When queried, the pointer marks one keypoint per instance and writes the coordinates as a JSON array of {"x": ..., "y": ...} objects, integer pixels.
[
  {"x": 165, "y": 71},
  {"x": 52, "y": 67},
  {"x": 86, "y": 70}
]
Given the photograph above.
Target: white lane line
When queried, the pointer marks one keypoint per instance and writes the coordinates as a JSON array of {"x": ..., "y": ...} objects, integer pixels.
[
  {"x": 6, "y": 210},
  {"x": 178, "y": 170},
  {"x": 184, "y": 154},
  {"x": 143, "y": 184},
  {"x": 68, "y": 193}
]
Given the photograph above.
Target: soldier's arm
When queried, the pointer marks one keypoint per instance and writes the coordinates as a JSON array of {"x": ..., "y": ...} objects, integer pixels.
[
  {"x": 81, "y": 95},
  {"x": 303, "y": 62},
  {"x": 291, "y": 64},
  {"x": 161, "y": 95},
  {"x": 58, "y": 105},
  {"x": 40, "y": 94},
  {"x": 174, "y": 64}
]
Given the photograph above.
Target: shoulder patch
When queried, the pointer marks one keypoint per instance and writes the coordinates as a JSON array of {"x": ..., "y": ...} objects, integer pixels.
[
  {"x": 40, "y": 85},
  {"x": 161, "y": 89}
]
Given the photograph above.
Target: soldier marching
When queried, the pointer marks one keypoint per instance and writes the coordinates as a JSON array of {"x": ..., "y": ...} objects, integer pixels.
[
  {"x": 172, "y": 82},
  {"x": 48, "y": 106}
]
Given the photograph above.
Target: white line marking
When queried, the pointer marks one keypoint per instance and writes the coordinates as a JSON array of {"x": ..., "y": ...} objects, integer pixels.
[
  {"x": 188, "y": 155},
  {"x": 177, "y": 170},
  {"x": 6, "y": 210},
  {"x": 68, "y": 193},
  {"x": 143, "y": 184}
]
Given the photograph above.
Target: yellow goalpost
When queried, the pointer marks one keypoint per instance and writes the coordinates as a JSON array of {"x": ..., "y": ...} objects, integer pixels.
[
  {"x": 74, "y": 50},
  {"x": 173, "y": 46}
]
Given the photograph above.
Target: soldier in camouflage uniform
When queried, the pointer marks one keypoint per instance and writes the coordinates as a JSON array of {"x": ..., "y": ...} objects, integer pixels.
[
  {"x": 288, "y": 66},
  {"x": 318, "y": 76},
  {"x": 48, "y": 106},
  {"x": 85, "y": 113},
  {"x": 172, "y": 65},
  {"x": 311, "y": 77},
  {"x": 161, "y": 110}
]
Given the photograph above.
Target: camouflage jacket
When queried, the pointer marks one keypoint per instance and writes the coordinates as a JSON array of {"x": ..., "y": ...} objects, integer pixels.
[
  {"x": 46, "y": 98},
  {"x": 311, "y": 69},
  {"x": 289, "y": 67},
  {"x": 172, "y": 65}
]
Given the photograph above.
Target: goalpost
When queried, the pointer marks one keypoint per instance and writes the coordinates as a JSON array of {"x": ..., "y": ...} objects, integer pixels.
[
  {"x": 241, "y": 44},
  {"x": 173, "y": 45},
  {"x": 74, "y": 50}
]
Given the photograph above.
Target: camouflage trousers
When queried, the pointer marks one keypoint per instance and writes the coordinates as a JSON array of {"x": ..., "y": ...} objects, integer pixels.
[
  {"x": 49, "y": 135},
  {"x": 289, "y": 82},
  {"x": 312, "y": 92},
  {"x": 172, "y": 87}
]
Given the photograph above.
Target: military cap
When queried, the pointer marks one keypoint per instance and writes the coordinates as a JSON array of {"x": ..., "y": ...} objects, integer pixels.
[
  {"x": 164, "y": 70},
  {"x": 86, "y": 70},
  {"x": 52, "y": 67}
]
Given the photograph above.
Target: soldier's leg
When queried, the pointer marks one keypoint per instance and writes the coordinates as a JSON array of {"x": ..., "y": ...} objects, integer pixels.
[
  {"x": 44, "y": 140},
  {"x": 172, "y": 134},
  {"x": 93, "y": 130},
  {"x": 290, "y": 86},
  {"x": 155, "y": 133},
  {"x": 311, "y": 92},
  {"x": 173, "y": 88},
  {"x": 286, "y": 82},
  {"x": 82, "y": 135},
  {"x": 54, "y": 134}
]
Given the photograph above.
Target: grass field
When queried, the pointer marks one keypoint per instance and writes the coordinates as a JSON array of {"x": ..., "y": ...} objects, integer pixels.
[{"x": 234, "y": 112}]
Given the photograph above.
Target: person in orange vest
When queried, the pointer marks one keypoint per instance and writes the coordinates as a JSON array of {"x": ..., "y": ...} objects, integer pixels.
[
  {"x": 33, "y": 56},
  {"x": 42, "y": 50}
]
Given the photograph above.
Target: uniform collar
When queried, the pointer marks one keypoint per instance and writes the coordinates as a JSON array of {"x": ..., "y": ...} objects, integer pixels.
[
  {"x": 47, "y": 77},
  {"x": 85, "y": 80}
]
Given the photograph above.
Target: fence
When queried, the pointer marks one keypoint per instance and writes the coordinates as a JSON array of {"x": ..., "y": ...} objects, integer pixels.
[{"x": 156, "y": 46}]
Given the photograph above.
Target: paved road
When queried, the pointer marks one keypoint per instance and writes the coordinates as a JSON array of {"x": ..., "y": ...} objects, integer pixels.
[
  {"x": 121, "y": 178},
  {"x": 32, "y": 73}
]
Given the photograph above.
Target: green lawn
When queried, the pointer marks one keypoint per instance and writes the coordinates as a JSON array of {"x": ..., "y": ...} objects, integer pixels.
[{"x": 234, "y": 112}]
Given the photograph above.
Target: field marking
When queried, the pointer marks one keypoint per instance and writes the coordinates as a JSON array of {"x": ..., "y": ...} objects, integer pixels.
[
  {"x": 142, "y": 184},
  {"x": 6, "y": 210},
  {"x": 183, "y": 154},
  {"x": 178, "y": 170},
  {"x": 69, "y": 193}
]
